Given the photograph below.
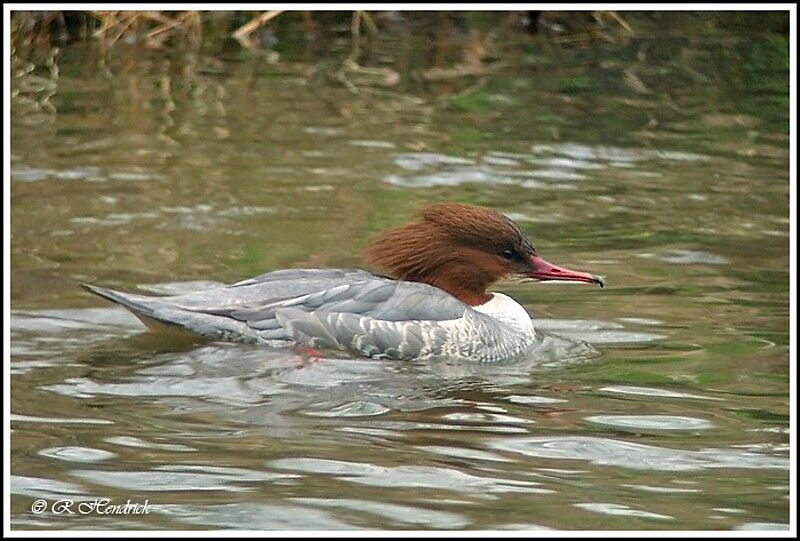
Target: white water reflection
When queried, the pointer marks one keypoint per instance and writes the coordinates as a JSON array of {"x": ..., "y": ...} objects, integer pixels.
[
  {"x": 620, "y": 510},
  {"x": 760, "y": 526},
  {"x": 688, "y": 257},
  {"x": 57, "y": 420},
  {"x": 77, "y": 454},
  {"x": 200, "y": 217},
  {"x": 610, "y": 452},
  {"x": 358, "y": 408},
  {"x": 664, "y": 490},
  {"x": 601, "y": 153},
  {"x": 554, "y": 165},
  {"x": 466, "y": 454},
  {"x": 181, "y": 477},
  {"x": 131, "y": 441},
  {"x": 418, "y": 477},
  {"x": 653, "y": 392},
  {"x": 651, "y": 422},
  {"x": 254, "y": 516},
  {"x": 25, "y": 173},
  {"x": 392, "y": 512},
  {"x": 51, "y": 489}
]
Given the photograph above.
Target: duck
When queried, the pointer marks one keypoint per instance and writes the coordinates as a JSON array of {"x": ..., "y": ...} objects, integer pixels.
[{"x": 432, "y": 302}]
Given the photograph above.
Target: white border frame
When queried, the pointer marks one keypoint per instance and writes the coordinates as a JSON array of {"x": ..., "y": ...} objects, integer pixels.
[{"x": 790, "y": 533}]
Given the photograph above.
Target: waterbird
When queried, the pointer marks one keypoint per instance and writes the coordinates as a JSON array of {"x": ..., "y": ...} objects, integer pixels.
[{"x": 433, "y": 302}]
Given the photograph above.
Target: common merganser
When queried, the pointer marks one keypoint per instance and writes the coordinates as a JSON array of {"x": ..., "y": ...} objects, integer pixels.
[{"x": 435, "y": 304}]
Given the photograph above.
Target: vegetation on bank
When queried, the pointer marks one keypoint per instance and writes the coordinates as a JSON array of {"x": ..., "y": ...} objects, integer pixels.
[
  {"x": 155, "y": 29},
  {"x": 252, "y": 30},
  {"x": 456, "y": 53}
]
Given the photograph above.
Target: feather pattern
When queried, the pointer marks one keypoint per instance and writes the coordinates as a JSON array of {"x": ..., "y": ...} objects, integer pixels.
[{"x": 352, "y": 310}]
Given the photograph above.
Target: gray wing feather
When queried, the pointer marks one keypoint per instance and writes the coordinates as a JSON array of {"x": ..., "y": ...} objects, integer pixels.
[
  {"x": 349, "y": 309},
  {"x": 378, "y": 298},
  {"x": 307, "y": 275},
  {"x": 271, "y": 287},
  {"x": 377, "y": 317},
  {"x": 306, "y": 328}
]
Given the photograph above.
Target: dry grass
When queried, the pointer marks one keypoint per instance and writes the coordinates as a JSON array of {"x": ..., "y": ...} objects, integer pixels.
[
  {"x": 155, "y": 29},
  {"x": 151, "y": 28}
]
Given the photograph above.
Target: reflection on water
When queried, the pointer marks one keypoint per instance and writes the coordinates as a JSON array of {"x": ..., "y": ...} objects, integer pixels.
[
  {"x": 557, "y": 167},
  {"x": 659, "y": 402}
]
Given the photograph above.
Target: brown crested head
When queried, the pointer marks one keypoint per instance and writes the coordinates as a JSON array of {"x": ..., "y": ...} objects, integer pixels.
[{"x": 456, "y": 247}]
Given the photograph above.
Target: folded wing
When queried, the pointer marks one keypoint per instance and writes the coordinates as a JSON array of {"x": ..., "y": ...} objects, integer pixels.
[{"x": 348, "y": 309}]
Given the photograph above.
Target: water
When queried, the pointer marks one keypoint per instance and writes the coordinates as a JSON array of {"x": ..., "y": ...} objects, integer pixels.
[{"x": 660, "y": 162}]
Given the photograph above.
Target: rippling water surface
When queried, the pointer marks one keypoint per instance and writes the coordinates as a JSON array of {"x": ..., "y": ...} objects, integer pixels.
[{"x": 660, "y": 402}]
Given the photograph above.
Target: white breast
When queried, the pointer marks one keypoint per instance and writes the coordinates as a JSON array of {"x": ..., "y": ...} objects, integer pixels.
[
  {"x": 502, "y": 332},
  {"x": 507, "y": 310}
]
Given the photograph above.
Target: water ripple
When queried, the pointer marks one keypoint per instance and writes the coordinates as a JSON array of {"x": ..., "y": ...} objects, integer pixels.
[
  {"x": 77, "y": 454},
  {"x": 407, "y": 476},
  {"x": 653, "y": 392},
  {"x": 651, "y": 422},
  {"x": 620, "y": 510},
  {"x": 610, "y": 452},
  {"x": 556, "y": 165},
  {"x": 404, "y": 514},
  {"x": 169, "y": 478}
]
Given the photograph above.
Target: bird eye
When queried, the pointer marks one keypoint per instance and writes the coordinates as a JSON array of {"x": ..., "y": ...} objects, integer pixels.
[{"x": 507, "y": 254}]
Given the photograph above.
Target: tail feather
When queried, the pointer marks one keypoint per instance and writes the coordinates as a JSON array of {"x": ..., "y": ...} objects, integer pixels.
[
  {"x": 141, "y": 306},
  {"x": 135, "y": 303},
  {"x": 159, "y": 315}
]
